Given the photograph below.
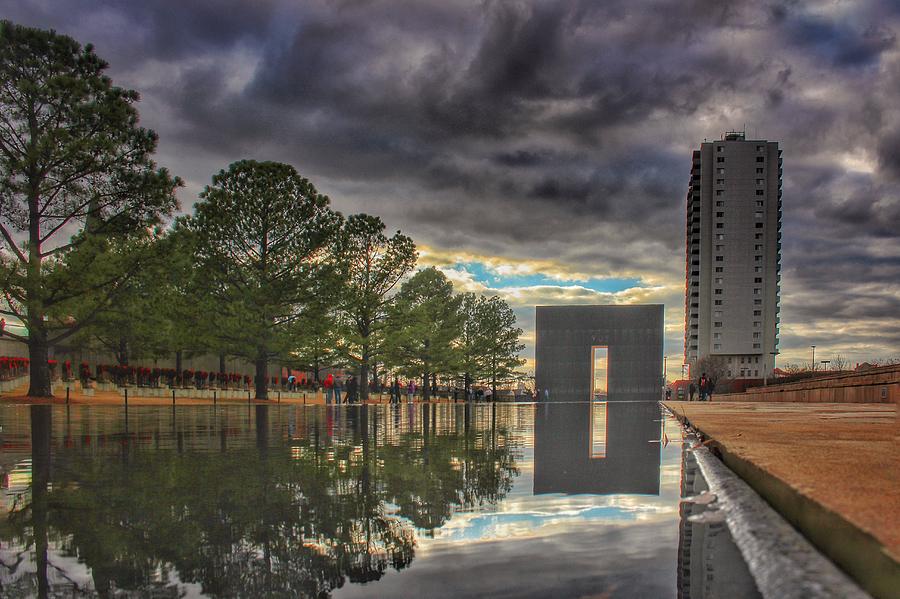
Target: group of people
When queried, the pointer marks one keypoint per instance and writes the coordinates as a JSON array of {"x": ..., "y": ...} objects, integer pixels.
[
  {"x": 704, "y": 385},
  {"x": 338, "y": 391}
]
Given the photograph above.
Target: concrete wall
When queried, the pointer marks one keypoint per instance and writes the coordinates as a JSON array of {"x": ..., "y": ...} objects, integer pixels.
[
  {"x": 11, "y": 348},
  {"x": 565, "y": 335},
  {"x": 878, "y": 385}
]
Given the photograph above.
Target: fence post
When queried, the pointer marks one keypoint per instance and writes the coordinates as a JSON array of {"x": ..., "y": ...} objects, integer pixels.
[
  {"x": 214, "y": 397},
  {"x": 126, "y": 396},
  {"x": 173, "y": 398},
  {"x": 67, "y": 394}
]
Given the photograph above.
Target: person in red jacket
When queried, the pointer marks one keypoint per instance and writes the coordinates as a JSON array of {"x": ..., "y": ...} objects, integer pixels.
[{"x": 329, "y": 388}]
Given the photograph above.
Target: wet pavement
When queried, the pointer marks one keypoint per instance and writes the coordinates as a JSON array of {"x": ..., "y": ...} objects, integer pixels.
[{"x": 441, "y": 500}]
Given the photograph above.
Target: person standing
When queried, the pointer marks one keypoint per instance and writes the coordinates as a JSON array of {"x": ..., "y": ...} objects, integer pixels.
[
  {"x": 410, "y": 391},
  {"x": 338, "y": 389},
  {"x": 351, "y": 389},
  {"x": 692, "y": 388},
  {"x": 329, "y": 389},
  {"x": 395, "y": 391},
  {"x": 703, "y": 384}
]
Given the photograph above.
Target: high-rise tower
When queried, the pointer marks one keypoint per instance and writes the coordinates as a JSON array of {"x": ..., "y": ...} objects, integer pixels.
[{"x": 733, "y": 265}]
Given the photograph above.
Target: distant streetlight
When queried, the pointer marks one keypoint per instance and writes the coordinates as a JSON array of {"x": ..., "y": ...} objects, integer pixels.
[
  {"x": 814, "y": 357},
  {"x": 826, "y": 363}
]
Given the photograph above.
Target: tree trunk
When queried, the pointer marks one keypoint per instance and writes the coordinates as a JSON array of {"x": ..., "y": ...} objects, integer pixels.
[
  {"x": 262, "y": 377},
  {"x": 122, "y": 353},
  {"x": 178, "y": 363},
  {"x": 375, "y": 381},
  {"x": 494, "y": 381},
  {"x": 364, "y": 374},
  {"x": 221, "y": 362},
  {"x": 426, "y": 388},
  {"x": 41, "y": 427},
  {"x": 467, "y": 383},
  {"x": 38, "y": 352}
]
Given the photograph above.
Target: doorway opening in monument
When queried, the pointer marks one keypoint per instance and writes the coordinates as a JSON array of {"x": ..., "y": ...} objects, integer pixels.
[
  {"x": 599, "y": 372},
  {"x": 599, "y": 393},
  {"x": 598, "y": 429}
]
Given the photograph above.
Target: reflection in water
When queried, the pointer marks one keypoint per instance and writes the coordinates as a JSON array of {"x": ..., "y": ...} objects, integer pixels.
[
  {"x": 567, "y": 458},
  {"x": 709, "y": 562},
  {"x": 307, "y": 501},
  {"x": 205, "y": 498}
]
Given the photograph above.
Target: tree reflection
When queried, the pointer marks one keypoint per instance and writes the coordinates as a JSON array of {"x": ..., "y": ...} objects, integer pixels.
[{"x": 264, "y": 517}]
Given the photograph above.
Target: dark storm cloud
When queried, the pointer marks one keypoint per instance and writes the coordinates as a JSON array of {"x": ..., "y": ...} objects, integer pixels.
[
  {"x": 889, "y": 153},
  {"x": 841, "y": 43},
  {"x": 535, "y": 129}
]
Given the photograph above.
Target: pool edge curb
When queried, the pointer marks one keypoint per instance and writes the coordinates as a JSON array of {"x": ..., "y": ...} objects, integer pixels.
[{"x": 783, "y": 562}]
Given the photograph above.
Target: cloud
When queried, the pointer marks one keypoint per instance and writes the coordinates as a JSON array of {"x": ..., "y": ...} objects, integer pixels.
[{"x": 549, "y": 137}]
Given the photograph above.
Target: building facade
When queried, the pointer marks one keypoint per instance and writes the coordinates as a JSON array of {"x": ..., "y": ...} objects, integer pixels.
[{"x": 733, "y": 255}]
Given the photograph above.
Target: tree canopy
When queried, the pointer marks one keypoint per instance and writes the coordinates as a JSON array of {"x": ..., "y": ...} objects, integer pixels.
[
  {"x": 264, "y": 242},
  {"x": 374, "y": 265},
  {"x": 424, "y": 324},
  {"x": 71, "y": 153}
]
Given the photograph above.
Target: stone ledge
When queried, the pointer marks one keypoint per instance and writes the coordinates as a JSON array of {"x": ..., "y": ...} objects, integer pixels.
[
  {"x": 783, "y": 563},
  {"x": 829, "y": 470}
]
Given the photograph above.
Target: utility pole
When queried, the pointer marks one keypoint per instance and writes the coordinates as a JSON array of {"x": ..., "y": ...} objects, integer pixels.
[{"x": 813, "y": 357}]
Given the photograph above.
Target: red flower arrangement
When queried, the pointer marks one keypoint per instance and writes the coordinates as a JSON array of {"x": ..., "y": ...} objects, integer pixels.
[{"x": 12, "y": 366}]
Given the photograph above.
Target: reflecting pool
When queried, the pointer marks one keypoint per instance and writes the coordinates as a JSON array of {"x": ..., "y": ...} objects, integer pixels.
[{"x": 440, "y": 500}]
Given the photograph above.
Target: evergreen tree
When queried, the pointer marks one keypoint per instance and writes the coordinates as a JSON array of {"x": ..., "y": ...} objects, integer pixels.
[
  {"x": 136, "y": 324},
  {"x": 374, "y": 265},
  {"x": 71, "y": 151},
  {"x": 498, "y": 336},
  {"x": 423, "y": 326},
  {"x": 264, "y": 239}
]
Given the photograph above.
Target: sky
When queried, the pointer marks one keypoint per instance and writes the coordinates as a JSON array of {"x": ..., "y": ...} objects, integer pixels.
[{"x": 542, "y": 150}]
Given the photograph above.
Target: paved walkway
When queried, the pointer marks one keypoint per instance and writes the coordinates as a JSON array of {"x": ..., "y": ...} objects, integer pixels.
[
  {"x": 833, "y": 471},
  {"x": 114, "y": 398}
]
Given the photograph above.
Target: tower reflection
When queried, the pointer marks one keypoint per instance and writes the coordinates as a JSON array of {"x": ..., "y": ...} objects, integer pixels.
[{"x": 575, "y": 453}]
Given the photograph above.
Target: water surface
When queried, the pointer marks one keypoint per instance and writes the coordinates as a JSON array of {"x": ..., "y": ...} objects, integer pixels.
[{"x": 443, "y": 500}]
